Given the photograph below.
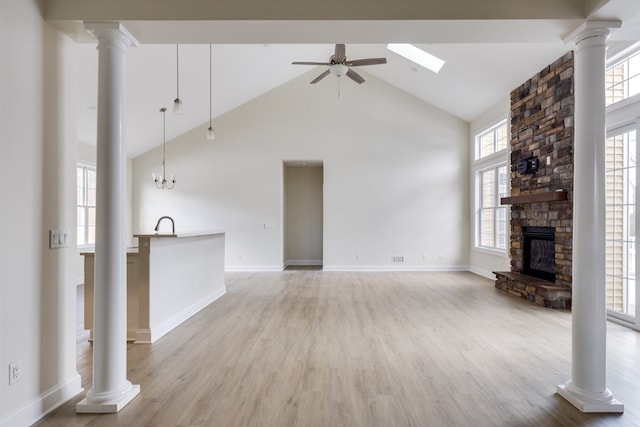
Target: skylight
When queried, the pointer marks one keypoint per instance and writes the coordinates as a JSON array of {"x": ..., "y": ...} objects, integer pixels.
[{"x": 417, "y": 55}]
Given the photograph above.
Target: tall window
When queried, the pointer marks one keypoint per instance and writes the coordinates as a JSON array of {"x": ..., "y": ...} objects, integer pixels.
[
  {"x": 492, "y": 183},
  {"x": 623, "y": 79},
  {"x": 620, "y": 175},
  {"x": 86, "y": 205}
]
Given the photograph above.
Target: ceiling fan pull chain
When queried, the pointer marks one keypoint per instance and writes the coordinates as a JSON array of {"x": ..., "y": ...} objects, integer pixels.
[{"x": 338, "y": 86}]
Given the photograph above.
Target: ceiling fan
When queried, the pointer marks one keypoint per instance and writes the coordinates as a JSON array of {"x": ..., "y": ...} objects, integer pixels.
[{"x": 340, "y": 66}]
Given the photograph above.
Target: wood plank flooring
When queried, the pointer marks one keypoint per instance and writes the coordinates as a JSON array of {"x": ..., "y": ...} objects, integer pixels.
[{"x": 313, "y": 348}]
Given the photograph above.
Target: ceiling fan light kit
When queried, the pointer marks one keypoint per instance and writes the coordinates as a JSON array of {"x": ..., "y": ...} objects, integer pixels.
[
  {"x": 338, "y": 69},
  {"x": 339, "y": 65}
]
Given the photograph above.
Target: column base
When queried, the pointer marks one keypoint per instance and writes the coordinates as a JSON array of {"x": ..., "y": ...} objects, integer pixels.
[
  {"x": 590, "y": 403},
  {"x": 87, "y": 407}
]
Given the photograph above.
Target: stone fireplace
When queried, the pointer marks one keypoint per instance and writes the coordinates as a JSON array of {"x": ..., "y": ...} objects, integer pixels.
[{"x": 541, "y": 222}]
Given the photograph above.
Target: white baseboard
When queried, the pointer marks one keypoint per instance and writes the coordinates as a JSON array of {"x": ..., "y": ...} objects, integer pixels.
[
  {"x": 44, "y": 404},
  {"x": 396, "y": 267},
  {"x": 157, "y": 331},
  {"x": 275, "y": 267},
  {"x": 482, "y": 272}
]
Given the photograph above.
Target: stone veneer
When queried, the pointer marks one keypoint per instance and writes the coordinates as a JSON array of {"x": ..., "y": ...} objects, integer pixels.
[{"x": 542, "y": 126}]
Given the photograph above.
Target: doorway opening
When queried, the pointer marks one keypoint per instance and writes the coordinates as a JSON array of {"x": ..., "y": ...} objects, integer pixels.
[{"x": 303, "y": 214}]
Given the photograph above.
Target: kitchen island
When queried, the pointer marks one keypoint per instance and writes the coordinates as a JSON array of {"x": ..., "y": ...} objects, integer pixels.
[{"x": 170, "y": 277}]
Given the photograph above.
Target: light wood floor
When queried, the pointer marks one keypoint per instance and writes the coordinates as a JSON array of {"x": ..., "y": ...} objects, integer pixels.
[{"x": 313, "y": 348}]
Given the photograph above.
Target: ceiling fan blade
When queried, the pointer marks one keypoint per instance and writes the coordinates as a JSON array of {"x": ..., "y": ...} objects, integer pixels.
[
  {"x": 320, "y": 77},
  {"x": 340, "y": 55},
  {"x": 368, "y": 61},
  {"x": 311, "y": 63},
  {"x": 355, "y": 76}
]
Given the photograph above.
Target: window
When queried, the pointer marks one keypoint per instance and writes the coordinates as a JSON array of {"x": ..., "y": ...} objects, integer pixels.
[
  {"x": 492, "y": 217},
  {"x": 623, "y": 79},
  {"x": 86, "y": 205},
  {"x": 492, "y": 183},
  {"x": 620, "y": 193},
  {"x": 491, "y": 141}
]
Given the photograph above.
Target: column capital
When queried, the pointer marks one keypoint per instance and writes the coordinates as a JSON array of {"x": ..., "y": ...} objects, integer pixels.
[
  {"x": 590, "y": 29},
  {"x": 102, "y": 30}
]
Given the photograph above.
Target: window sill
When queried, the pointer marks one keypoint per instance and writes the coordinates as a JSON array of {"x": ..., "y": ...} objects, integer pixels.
[
  {"x": 86, "y": 248},
  {"x": 495, "y": 252}
]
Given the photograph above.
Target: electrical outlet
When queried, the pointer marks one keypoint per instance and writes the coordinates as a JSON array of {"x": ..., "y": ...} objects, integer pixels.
[
  {"x": 397, "y": 259},
  {"x": 15, "y": 372}
]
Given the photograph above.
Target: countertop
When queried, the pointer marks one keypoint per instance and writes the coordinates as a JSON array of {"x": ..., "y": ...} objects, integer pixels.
[{"x": 179, "y": 235}]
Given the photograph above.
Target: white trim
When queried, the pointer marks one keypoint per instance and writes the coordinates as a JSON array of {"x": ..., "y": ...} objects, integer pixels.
[
  {"x": 45, "y": 403},
  {"x": 274, "y": 267},
  {"x": 623, "y": 113},
  {"x": 502, "y": 253},
  {"x": 482, "y": 272},
  {"x": 623, "y": 55},
  {"x": 629, "y": 324},
  {"x": 487, "y": 162},
  {"x": 395, "y": 267},
  {"x": 157, "y": 331}
]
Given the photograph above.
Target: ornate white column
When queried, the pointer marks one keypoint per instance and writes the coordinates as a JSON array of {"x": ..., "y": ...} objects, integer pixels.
[
  {"x": 111, "y": 390},
  {"x": 587, "y": 389}
]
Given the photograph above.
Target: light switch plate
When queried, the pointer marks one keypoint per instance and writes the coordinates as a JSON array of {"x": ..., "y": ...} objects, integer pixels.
[{"x": 58, "y": 239}]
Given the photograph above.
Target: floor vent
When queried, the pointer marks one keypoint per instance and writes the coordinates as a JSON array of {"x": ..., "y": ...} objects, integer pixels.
[{"x": 397, "y": 259}]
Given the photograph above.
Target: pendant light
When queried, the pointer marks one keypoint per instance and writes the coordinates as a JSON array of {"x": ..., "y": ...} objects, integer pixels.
[
  {"x": 210, "y": 133},
  {"x": 161, "y": 179},
  {"x": 177, "y": 103}
]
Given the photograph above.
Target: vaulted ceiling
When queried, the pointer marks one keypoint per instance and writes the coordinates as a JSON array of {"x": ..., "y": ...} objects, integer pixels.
[{"x": 489, "y": 47}]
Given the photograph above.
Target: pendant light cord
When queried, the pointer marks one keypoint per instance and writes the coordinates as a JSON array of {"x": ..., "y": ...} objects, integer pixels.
[
  {"x": 177, "y": 72},
  {"x": 210, "y": 86},
  {"x": 164, "y": 144}
]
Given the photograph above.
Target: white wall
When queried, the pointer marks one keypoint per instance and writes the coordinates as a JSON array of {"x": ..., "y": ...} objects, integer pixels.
[
  {"x": 396, "y": 177},
  {"x": 303, "y": 215},
  {"x": 482, "y": 261},
  {"x": 37, "y": 293}
]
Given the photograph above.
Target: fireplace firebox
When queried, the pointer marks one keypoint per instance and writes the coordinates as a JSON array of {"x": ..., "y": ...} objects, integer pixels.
[{"x": 539, "y": 252}]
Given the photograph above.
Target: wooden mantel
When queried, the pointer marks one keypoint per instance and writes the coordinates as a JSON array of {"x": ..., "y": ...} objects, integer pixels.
[{"x": 549, "y": 196}]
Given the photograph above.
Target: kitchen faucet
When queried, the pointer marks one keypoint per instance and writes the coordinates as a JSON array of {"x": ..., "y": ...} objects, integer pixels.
[{"x": 173, "y": 224}]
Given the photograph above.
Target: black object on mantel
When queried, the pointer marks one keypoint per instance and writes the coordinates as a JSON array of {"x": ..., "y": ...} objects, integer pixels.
[{"x": 528, "y": 166}]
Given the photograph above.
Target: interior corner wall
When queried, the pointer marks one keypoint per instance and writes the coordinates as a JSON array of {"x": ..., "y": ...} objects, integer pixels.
[
  {"x": 396, "y": 177},
  {"x": 37, "y": 296},
  {"x": 480, "y": 261}
]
